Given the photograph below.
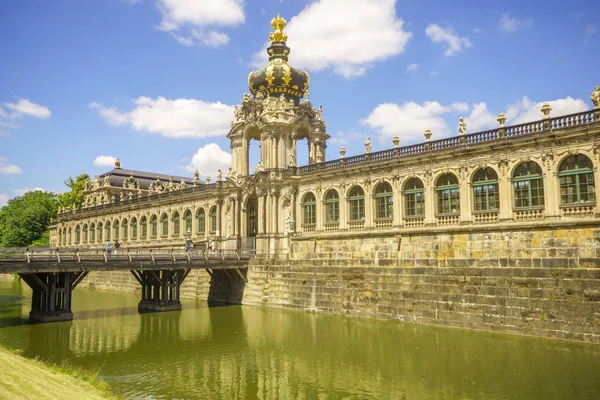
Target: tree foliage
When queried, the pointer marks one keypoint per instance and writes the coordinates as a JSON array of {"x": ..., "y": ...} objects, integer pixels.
[
  {"x": 25, "y": 219},
  {"x": 74, "y": 197}
]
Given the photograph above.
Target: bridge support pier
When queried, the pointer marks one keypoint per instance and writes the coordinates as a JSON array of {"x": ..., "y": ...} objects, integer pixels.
[
  {"x": 51, "y": 297},
  {"x": 160, "y": 288}
]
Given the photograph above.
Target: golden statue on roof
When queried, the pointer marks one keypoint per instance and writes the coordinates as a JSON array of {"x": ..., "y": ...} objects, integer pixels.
[{"x": 278, "y": 35}]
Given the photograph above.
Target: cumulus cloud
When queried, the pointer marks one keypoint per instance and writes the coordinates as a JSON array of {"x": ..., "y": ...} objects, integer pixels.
[
  {"x": 194, "y": 17},
  {"x": 410, "y": 120},
  {"x": 179, "y": 118},
  {"x": 340, "y": 34},
  {"x": 412, "y": 67},
  {"x": 3, "y": 200},
  {"x": 343, "y": 138},
  {"x": 6, "y": 168},
  {"x": 104, "y": 161},
  {"x": 509, "y": 24},
  {"x": 455, "y": 43},
  {"x": 208, "y": 159},
  {"x": 27, "y": 107}
]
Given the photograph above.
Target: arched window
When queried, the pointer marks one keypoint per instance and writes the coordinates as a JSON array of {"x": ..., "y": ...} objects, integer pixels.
[
  {"x": 384, "y": 201},
  {"x": 153, "y": 226},
  {"x": 116, "y": 229},
  {"x": 332, "y": 207},
  {"x": 125, "y": 226},
  {"x": 485, "y": 190},
  {"x": 164, "y": 222},
  {"x": 213, "y": 219},
  {"x": 201, "y": 226},
  {"x": 309, "y": 209},
  {"x": 176, "y": 223},
  {"x": 92, "y": 233},
  {"x": 85, "y": 233},
  {"x": 100, "y": 230},
  {"x": 187, "y": 216},
  {"x": 448, "y": 194},
  {"x": 528, "y": 185},
  {"x": 77, "y": 234},
  {"x": 576, "y": 177},
  {"x": 107, "y": 231},
  {"x": 252, "y": 221},
  {"x": 134, "y": 228},
  {"x": 356, "y": 203},
  {"x": 70, "y": 237},
  {"x": 60, "y": 236},
  {"x": 414, "y": 198},
  {"x": 144, "y": 227}
]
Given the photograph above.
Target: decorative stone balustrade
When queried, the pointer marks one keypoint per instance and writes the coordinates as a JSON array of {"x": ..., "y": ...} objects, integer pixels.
[
  {"x": 414, "y": 222},
  {"x": 308, "y": 227},
  {"x": 383, "y": 223},
  {"x": 578, "y": 211},
  {"x": 356, "y": 226},
  {"x": 529, "y": 215},
  {"x": 486, "y": 217},
  {"x": 448, "y": 219},
  {"x": 332, "y": 227}
]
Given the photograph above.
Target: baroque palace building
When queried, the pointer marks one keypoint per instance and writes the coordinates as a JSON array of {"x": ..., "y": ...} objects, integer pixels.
[{"x": 535, "y": 172}]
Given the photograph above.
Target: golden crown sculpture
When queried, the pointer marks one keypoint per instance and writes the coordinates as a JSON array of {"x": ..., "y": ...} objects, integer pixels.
[{"x": 278, "y": 35}]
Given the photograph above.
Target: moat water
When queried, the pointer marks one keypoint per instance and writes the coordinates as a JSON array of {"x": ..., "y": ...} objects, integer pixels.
[{"x": 235, "y": 352}]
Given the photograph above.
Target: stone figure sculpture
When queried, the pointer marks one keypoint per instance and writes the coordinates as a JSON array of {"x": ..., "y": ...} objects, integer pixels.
[
  {"x": 367, "y": 144},
  {"x": 596, "y": 97},
  {"x": 462, "y": 126}
]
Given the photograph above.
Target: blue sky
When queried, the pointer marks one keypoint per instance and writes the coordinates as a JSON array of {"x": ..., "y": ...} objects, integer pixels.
[{"x": 154, "y": 82}]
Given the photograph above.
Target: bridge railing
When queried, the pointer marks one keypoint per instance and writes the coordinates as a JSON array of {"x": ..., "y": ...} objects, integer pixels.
[{"x": 158, "y": 255}]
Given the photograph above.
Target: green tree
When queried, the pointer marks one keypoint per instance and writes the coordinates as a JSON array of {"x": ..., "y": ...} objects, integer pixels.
[
  {"x": 25, "y": 219},
  {"x": 75, "y": 196}
]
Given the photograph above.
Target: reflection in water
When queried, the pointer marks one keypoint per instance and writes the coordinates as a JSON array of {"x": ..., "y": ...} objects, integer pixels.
[{"x": 250, "y": 352}]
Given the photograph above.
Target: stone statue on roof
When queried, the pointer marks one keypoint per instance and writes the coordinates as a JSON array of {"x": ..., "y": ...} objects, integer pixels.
[
  {"x": 106, "y": 180},
  {"x": 367, "y": 144},
  {"x": 462, "y": 126},
  {"x": 596, "y": 97}
]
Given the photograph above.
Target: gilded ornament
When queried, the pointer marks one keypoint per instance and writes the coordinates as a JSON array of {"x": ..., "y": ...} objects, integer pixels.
[
  {"x": 278, "y": 35},
  {"x": 287, "y": 74}
]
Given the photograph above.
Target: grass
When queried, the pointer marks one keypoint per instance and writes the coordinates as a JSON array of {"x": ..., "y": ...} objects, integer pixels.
[{"x": 23, "y": 378}]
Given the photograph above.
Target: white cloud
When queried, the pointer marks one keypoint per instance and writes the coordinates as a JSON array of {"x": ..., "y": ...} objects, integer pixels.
[
  {"x": 344, "y": 35},
  {"x": 3, "y": 200},
  {"x": 208, "y": 159},
  {"x": 590, "y": 30},
  {"x": 104, "y": 161},
  {"x": 455, "y": 43},
  {"x": 513, "y": 24},
  {"x": 6, "y": 168},
  {"x": 179, "y": 118},
  {"x": 343, "y": 138},
  {"x": 178, "y": 15},
  {"x": 410, "y": 120},
  {"x": 412, "y": 67},
  {"x": 27, "y": 107}
]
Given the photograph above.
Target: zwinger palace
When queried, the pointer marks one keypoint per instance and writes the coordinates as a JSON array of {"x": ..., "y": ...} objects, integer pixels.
[{"x": 519, "y": 198}]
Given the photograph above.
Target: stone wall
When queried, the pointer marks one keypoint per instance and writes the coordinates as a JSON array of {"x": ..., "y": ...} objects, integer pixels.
[{"x": 542, "y": 281}]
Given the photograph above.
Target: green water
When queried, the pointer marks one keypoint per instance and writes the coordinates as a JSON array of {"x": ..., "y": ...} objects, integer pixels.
[{"x": 249, "y": 352}]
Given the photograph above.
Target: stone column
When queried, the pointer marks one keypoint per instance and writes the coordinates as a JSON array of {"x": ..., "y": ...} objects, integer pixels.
[
  {"x": 551, "y": 188},
  {"x": 369, "y": 205},
  {"x": 343, "y": 210},
  {"x": 466, "y": 206},
  {"x": 504, "y": 188},
  {"x": 397, "y": 209},
  {"x": 430, "y": 202}
]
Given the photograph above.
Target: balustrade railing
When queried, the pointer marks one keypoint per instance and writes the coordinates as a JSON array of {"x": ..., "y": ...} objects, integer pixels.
[
  {"x": 583, "y": 210},
  {"x": 448, "y": 219},
  {"x": 529, "y": 214},
  {"x": 356, "y": 225},
  {"x": 332, "y": 227},
  {"x": 383, "y": 223},
  {"x": 486, "y": 217},
  {"x": 414, "y": 222}
]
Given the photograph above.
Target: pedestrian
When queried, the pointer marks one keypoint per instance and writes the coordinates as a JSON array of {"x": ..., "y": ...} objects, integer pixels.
[
  {"x": 216, "y": 248},
  {"x": 107, "y": 247},
  {"x": 188, "y": 245},
  {"x": 117, "y": 246}
]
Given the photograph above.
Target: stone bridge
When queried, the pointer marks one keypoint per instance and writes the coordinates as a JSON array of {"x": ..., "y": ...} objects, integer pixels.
[{"x": 53, "y": 274}]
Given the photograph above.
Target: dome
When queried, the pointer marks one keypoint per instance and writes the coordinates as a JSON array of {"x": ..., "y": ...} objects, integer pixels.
[{"x": 279, "y": 77}]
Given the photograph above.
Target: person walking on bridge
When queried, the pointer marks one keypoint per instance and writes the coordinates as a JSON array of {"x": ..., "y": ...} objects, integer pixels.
[{"x": 107, "y": 247}]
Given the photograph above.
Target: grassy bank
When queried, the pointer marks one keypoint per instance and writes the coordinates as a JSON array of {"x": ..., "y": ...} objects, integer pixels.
[{"x": 23, "y": 378}]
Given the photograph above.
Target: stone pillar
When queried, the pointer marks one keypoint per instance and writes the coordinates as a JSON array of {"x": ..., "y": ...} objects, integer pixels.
[
  {"x": 430, "y": 202},
  {"x": 343, "y": 210},
  {"x": 466, "y": 206},
  {"x": 398, "y": 218},
  {"x": 369, "y": 212},
  {"x": 505, "y": 191}
]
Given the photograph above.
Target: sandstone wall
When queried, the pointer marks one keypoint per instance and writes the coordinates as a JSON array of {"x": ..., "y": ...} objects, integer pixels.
[{"x": 541, "y": 281}]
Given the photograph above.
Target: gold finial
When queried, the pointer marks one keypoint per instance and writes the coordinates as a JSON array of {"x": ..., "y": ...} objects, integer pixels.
[{"x": 278, "y": 35}]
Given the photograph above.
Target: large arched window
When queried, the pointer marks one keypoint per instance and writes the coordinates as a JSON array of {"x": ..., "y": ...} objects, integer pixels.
[
  {"x": 176, "y": 223},
  {"x": 485, "y": 190},
  {"x": 448, "y": 194},
  {"x": 576, "y": 180},
  {"x": 356, "y": 204},
  {"x": 107, "y": 232},
  {"x": 92, "y": 233},
  {"x": 144, "y": 227},
  {"x": 77, "y": 234},
  {"x": 414, "y": 198},
  {"x": 134, "y": 228},
  {"x": 201, "y": 223},
  {"x": 528, "y": 185},
  {"x": 125, "y": 228},
  {"x": 100, "y": 229},
  {"x": 213, "y": 219},
  {"x": 188, "y": 222},
  {"x": 60, "y": 237},
  {"x": 309, "y": 209},
  {"x": 153, "y": 226},
  {"x": 70, "y": 237},
  {"x": 85, "y": 233},
  {"x": 384, "y": 201},
  {"x": 332, "y": 207},
  {"x": 164, "y": 223},
  {"x": 116, "y": 229}
]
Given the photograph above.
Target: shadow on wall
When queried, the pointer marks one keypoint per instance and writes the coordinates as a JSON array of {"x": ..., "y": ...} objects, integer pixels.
[{"x": 226, "y": 287}]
